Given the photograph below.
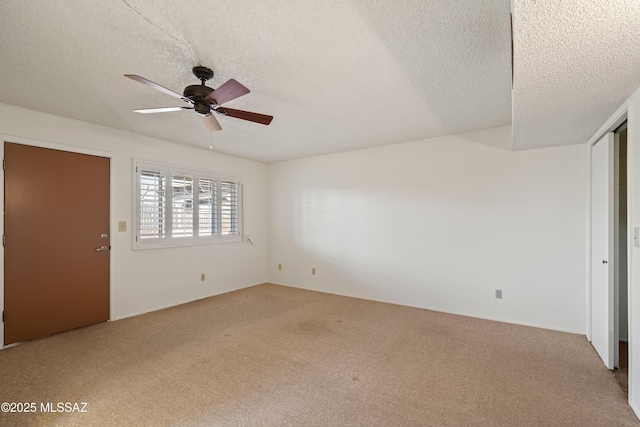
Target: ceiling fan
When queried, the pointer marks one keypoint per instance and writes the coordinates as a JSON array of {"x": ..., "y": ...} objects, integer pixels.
[{"x": 204, "y": 100}]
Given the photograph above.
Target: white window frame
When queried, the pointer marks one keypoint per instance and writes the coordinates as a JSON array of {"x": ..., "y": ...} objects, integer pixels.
[{"x": 167, "y": 240}]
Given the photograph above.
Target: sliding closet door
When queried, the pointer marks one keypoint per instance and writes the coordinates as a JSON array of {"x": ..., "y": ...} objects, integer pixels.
[{"x": 603, "y": 334}]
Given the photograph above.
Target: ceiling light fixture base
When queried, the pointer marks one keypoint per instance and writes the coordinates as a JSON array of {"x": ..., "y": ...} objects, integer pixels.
[{"x": 202, "y": 73}]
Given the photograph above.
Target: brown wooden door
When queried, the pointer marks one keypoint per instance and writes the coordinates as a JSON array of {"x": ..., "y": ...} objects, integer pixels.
[{"x": 56, "y": 211}]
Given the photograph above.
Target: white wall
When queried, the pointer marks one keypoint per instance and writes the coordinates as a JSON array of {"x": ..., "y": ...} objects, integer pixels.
[
  {"x": 438, "y": 224},
  {"x": 147, "y": 280}
]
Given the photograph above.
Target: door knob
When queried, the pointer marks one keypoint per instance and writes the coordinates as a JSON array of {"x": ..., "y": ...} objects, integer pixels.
[{"x": 102, "y": 249}]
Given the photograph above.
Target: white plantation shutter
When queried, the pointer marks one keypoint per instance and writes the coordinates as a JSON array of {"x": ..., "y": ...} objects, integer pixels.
[
  {"x": 207, "y": 207},
  {"x": 152, "y": 204},
  {"x": 181, "y": 205},
  {"x": 177, "y": 206},
  {"x": 229, "y": 207}
]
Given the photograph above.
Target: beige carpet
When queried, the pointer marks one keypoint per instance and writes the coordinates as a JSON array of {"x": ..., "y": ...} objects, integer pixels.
[{"x": 276, "y": 356}]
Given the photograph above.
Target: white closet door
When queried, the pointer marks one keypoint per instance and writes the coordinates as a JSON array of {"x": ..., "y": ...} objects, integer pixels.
[{"x": 602, "y": 255}]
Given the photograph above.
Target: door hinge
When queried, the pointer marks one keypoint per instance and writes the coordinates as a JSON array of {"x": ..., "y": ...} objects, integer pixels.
[
  {"x": 4, "y": 240},
  {"x": 3, "y": 315},
  {"x": 4, "y": 164}
]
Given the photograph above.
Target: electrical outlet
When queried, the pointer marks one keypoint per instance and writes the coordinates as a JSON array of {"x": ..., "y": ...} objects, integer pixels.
[
  {"x": 279, "y": 266},
  {"x": 122, "y": 226},
  {"x": 498, "y": 293},
  {"x": 313, "y": 271},
  {"x": 202, "y": 277}
]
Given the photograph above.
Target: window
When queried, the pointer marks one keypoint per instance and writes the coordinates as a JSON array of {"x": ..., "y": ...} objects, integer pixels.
[{"x": 177, "y": 206}]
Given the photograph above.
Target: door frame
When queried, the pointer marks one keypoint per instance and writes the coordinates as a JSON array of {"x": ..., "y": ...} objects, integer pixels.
[
  {"x": 74, "y": 149},
  {"x": 611, "y": 125},
  {"x": 614, "y": 122}
]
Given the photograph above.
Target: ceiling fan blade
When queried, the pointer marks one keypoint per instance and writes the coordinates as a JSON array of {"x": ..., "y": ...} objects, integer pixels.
[
  {"x": 229, "y": 90},
  {"x": 161, "y": 110},
  {"x": 246, "y": 115},
  {"x": 156, "y": 86},
  {"x": 211, "y": 123}
]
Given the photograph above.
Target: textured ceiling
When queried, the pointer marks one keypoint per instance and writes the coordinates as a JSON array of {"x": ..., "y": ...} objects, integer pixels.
[
  {"x": 336, "y": 75},
  {"x": 576, "y": 62}
]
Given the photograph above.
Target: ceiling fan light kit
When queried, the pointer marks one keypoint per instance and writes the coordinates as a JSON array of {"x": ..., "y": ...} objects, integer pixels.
[{"x": 203, "y": 99}]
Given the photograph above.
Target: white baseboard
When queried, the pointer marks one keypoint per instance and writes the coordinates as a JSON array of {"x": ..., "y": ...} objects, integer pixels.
[{"x": 495, "y": 319}]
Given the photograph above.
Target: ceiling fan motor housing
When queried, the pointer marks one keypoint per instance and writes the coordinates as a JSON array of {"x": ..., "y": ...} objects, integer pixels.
[{"x": 197, "y": 93}]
